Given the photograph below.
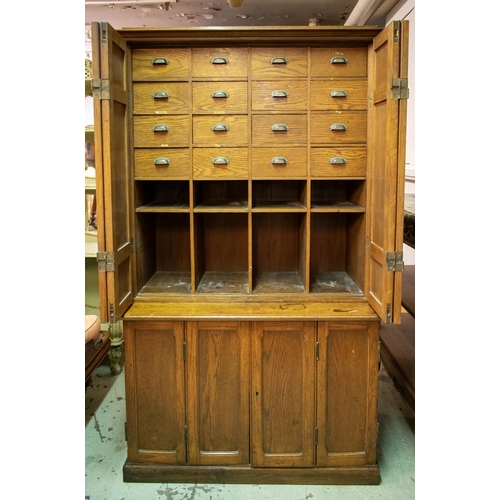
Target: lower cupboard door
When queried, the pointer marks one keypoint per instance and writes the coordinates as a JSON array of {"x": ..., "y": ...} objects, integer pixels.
[
  {"x": 282, "y": 398},
  {"x": 347, "y": 394}
]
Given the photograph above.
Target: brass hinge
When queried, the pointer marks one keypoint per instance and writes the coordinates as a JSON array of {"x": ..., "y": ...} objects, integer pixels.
[
  {"x": 395, "y": 261},
  {"x": 100, "y": 88},
  {"x": 317, "y": 351},
  {"x": 105, "y": 261},
  {"x": 316, "y": 432},
  {"x": 399, "y": 88},
  {"x": 396, "y": 25},
  {"x": 111, "y": 313},
  {"x": 184, "y": 351},
  {"x": 185, "y": 433},
  {"x": 388, "y": 316},
  {"x": 126, "y": 432}
]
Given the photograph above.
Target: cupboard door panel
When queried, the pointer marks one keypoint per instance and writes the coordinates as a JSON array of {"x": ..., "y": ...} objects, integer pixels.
[
  {"x": 283, "y": 394},
  {"x": 154, "y": 371},
  {"x": 218, "y": 378},
  {"x": 347, "y": 394}
]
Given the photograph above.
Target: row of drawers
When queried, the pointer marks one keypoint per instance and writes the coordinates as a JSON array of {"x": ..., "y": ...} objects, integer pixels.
[
  {"x": 232, "y": 97},
  {"x": 233, "y": 163},
  {"x": 233, "y": 130},
  {"x": 237, "y": 62}
]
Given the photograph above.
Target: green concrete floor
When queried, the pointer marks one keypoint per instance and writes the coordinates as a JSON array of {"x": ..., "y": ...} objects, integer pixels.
[{"x": 106, "y": 451}]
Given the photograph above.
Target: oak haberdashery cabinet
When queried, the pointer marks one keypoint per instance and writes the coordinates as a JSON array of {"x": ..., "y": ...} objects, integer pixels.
[{"x": 250, "y": 187}]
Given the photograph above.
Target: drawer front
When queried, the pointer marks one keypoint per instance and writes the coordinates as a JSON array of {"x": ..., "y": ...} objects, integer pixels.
[
  {"x": 279, "y": 162},
  {"x": 221, "y": 130},
  {"x": 220, "y": 97},
  {"x": 338, "y": 62},
  {"x": 346, "y": 95},
  {"x": 220, "y": 62},
  {"x": 279, "y": 63},
  {"x": 160, "y": 64},
  {"x": 282, "y": 95},
  {"x": 162, "y": 163},
  {"x": 338, "y": 162},
  {"x": 274, "y": 130},
  {"x": 161, "y": 131},
  {"x": 338, "y": 128},
  {"x": 220, "y": 163},
  {"x": 161, "y": 98}
]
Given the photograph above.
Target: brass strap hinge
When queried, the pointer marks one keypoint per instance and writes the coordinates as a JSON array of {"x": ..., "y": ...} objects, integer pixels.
[
  {"x": 100, "y": 88},
  {"x": 105, "y": 261},
  {"x": 395, "y": 261},
  {"x": 399, "y": 88},
  {"x": 396, "y": 25}
]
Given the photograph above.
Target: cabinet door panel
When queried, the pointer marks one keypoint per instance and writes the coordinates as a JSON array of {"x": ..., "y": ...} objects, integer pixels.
[
  {"x": 283, "y": 394},
  {"x": 218, "y": 392},
  {"x": 154, "y": 371},
  {"x": 347, "y": 394}
]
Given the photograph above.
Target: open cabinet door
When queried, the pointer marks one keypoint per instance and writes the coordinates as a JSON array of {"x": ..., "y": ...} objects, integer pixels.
[
  {"x": 109, "y": 55},
  {"x": 388, "y": 72}
]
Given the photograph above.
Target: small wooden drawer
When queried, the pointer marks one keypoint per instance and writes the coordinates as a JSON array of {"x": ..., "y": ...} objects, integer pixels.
[
  {"x": 221, "y": 130},
  {"x": 162, "y": 163},
  {"x": 279, "y": 162},
  {"x": 282, "y": 95},
  {"x": 220, "y": 163},
  {"x": 338, "y": 62},
  {"x": 346, "y": 95},
  {"x": 220, "y": 97},
  {"x": 161, "y": 98},
  {"x": 160, "y": 64},
  {"x": 220, "y": 62},
  {"x": 161, "y": 131},
  {"x": 279, "y": 63},
  {"x": 339, "y": 127},
  {"x": 274, "y": 130},
  {"x": 338, "y": 162}
]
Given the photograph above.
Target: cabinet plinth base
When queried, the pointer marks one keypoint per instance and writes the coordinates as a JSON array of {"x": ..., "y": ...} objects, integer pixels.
[{"x": 357, "y": 475}]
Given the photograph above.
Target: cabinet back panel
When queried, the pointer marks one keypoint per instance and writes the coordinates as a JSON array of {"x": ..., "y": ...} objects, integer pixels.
[
  {"x": 328, "y": 242},
  {"x": 172, "y": 242}
]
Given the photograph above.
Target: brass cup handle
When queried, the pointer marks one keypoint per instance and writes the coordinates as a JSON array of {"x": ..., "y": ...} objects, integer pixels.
[
  {"x": 279, "y": 93},
  {"x": 161, "y": 128},
  {"x": 220, "y": 160},
  {"x": 338, "y": 93},
  {"x": 338, "y": 60},
  {"x": 161, "y": 95},
  {"x": 338, "y": 160},
  {"x": 279, "y": 60},
  {"x": 219, "y": 60},
  {"x": 279, "y": 127},
  {"x": 338, "y": 127},
  {"x": 279, "y": 160},
  {"x": 219, "y": 94},
  {"x": 220, "y": 127},
  {"x": 161, "y": 161},
  {"x": 160, "y": 61}
]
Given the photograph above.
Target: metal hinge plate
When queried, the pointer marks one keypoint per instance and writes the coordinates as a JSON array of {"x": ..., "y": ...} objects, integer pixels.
[
  {"x": 317, "y": 351},
  {"x": 100, "y": 88},
  {"x": 105, "y": 261},
  {"x": 399, "y": 88},
  {"x": 396, "y": 31},
  {"x": 395, "y": 261}
]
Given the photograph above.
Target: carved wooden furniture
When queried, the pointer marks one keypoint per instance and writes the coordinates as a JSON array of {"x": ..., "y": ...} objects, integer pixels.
[{"x": 250, "y": 186}]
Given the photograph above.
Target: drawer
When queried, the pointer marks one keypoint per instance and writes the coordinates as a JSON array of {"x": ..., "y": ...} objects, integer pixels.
[
  {"x": 220, "y": 62},
  {"x": 221, "y": 130},
  {"x": 220, "y": 97},
  {"x": 162, "y": 163},
  {"x": 160, "y": 64},
  {"x": 338, "y": 127},
  {"x": 220, "y": 163},
  {"x": 161, "y": 131},
  {"x": 274, "y": 130},
  {"x": 346, "y": 95},
  {"x": 278, "y": 63},
  {"x": 280, "y": 95},
  {"x": 161, "y": 98},
  {"x": 279, "y": 162},
  {"x": 338, "y": 162},
  {"x": 338, "y": 62}
]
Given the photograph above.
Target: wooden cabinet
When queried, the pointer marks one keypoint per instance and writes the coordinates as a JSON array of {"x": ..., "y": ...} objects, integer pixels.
[{"x": 250, "y": 187}]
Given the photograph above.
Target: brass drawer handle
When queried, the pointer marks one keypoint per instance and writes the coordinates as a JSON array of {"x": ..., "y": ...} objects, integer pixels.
[
  {"x": 220, "y": 160},
  {"x": 161, "y": 95},
  {"x": 219, "y": 60},
  {"x": 161, "y": 161},
  {"x": 279, "y": 60},
  {"x": 218, "y": 94},
  {"x": 338, "y": 93},
  {"x": 279, "y": 93},
  {"x": 338, "y": 60},
  {"x": 338, "y": 127},
  {"x": 160, "y": 61},
  {"x": 279, "y": 127},
  {"x": 220, "y": 127},
  {"x": 279, "y": 160},
  {"x": 161, "y": 128},
  {"x": 338, "y": 160}
]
